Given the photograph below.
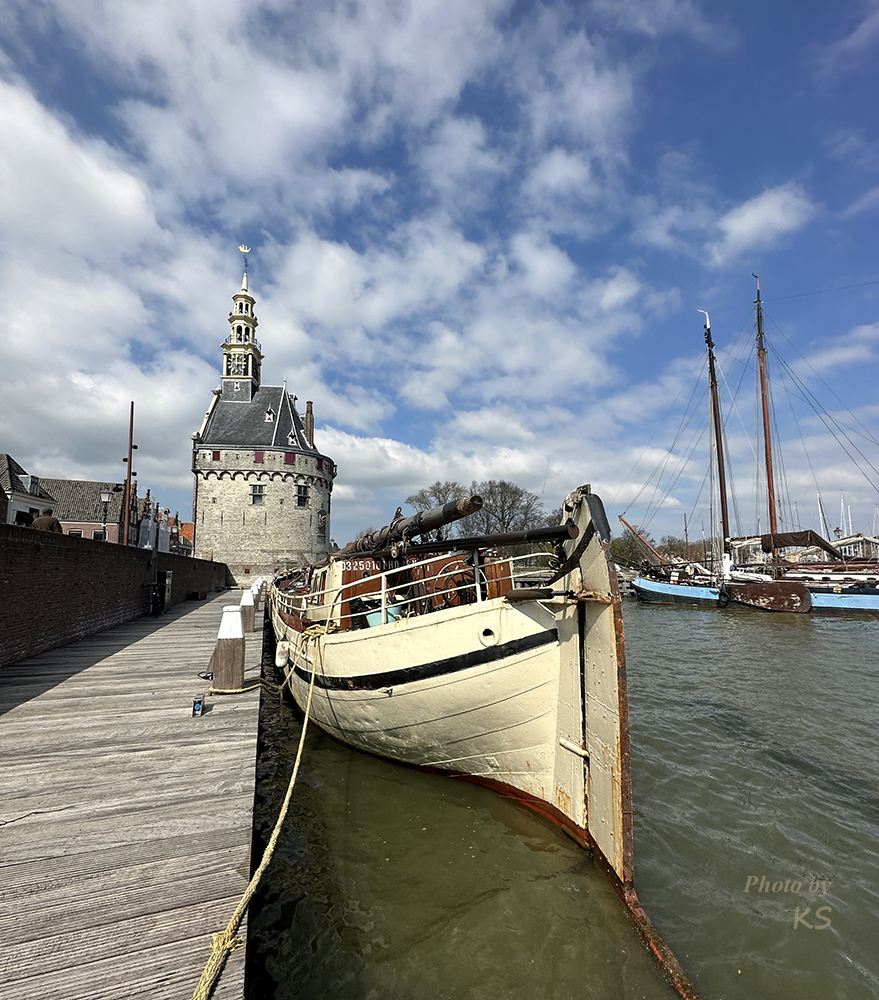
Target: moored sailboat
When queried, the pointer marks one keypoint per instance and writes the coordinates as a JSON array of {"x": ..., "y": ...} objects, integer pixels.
[
  {"x": 772, "y": 586},
  {"x": 444, "y": 654}
]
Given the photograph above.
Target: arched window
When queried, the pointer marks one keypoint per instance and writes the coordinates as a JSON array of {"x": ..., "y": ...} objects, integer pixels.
[
  {"x": 238, "y": 334},
  {"x": 247, "y": 335},
  {"x": 241, "y": 307}
]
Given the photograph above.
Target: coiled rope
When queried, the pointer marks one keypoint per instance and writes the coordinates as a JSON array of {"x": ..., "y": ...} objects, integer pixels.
[{"x": 226, "y": 942}]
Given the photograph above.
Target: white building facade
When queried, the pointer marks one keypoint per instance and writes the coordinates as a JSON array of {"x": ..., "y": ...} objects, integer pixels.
[{"x": 261, "y": 497}]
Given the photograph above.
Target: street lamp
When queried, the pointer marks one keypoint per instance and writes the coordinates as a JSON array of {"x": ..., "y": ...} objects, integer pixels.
[{"x": 105, "y": 500}]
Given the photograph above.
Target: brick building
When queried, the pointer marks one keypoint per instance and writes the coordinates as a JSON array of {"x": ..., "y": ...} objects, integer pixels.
[
  {"x": 22, "y": 497},
  {"x": 82, "y": 513},
  {"x": 261, "y": 497}
]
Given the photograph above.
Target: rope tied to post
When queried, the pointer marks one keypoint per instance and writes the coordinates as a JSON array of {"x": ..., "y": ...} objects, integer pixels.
[{"x": 223, "y": 944}]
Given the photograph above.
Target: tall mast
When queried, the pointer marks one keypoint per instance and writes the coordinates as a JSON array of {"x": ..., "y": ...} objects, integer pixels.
[
  {"x": 822, "y": 520},
  {"x": 718, "y": 432},
  {"x": 764, "y": 396},
  {"x": 128, "y": 476}
]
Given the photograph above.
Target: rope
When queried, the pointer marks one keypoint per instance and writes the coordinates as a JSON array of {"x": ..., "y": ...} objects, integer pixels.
[
  {"x": 226, "y": 942},
  {"x": 261, "y": 683}
]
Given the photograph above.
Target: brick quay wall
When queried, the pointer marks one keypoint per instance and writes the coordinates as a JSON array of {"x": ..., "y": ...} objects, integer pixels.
[{"x": 55, "y": 589}]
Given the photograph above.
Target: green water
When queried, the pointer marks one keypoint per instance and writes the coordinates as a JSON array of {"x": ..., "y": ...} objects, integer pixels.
[{"x": 754, "y": 755}]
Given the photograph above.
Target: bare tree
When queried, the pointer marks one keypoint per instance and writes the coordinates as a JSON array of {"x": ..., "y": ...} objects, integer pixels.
[
  {"x": 628, "y": 549},
  {"x": 506, "y": 506},
  {"x": 436, "y": 495}
]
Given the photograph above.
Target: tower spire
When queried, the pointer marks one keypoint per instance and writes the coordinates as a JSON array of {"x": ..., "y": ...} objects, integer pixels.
[
  {"x": 245, "y": 250},
  {"x": 242, "y": 356}
]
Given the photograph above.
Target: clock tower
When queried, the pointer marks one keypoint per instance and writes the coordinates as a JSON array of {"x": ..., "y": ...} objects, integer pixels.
[
  {"x": 262, "y": 488},
  {"x": 242, "y": 356}
]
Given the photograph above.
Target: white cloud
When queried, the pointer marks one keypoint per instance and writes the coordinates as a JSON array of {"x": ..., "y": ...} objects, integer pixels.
[
  {"x": 868, "y": 202},
  {"x": 842, "y": 56},
  {"x": 851, "y": 145},
  {"x": 762, "y": 220},
  {"x": 459, "y": 162},
  {"x": 546, "y": 269},
  {"x": 87, "y": 203},
  {"x": 571, "y": 90},
  {"x": 655, "y": 18},
  {"x": 857, "y": 347}
]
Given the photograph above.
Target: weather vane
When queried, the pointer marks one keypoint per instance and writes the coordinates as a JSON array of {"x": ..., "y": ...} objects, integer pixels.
[{"x": 245, "y": 250}]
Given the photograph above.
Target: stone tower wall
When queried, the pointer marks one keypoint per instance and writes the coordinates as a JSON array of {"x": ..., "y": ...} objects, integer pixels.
[{"x": 255, "y": 539}]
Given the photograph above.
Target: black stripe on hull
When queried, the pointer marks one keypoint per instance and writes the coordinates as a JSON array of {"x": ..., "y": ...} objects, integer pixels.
[{"x": 436, "y": 668}]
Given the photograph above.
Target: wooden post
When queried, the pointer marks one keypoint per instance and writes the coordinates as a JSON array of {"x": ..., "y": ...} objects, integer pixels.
[
  {"x": 247, "y": 610},
  {"x": 227, "y": 661}
]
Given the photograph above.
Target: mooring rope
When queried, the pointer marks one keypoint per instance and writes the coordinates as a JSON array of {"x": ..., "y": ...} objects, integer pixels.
[{"x": 223, "y": 944}]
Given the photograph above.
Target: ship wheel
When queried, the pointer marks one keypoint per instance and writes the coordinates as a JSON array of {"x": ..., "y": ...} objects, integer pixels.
[{"x": 451, "y": 586}]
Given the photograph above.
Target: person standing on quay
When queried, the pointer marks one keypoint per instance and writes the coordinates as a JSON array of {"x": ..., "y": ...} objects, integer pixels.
[{"x": 47, "y": 522}]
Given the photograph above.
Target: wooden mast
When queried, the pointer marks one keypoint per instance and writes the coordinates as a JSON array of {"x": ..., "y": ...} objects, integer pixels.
[
  {"x": 767, "y": 436},
  {"x": 718, "y": 433},
  {"x": 642, "y": 539}
]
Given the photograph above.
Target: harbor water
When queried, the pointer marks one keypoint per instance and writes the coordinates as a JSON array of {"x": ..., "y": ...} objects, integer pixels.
[{"x": 755, "y": 764}]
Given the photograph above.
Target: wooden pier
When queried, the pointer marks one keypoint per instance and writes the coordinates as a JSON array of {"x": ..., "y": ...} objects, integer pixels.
[{"x": 125, "y": 822}]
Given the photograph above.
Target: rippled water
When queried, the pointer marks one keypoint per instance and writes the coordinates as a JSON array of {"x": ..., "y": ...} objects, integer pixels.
[{"x": 754, "y": 755}]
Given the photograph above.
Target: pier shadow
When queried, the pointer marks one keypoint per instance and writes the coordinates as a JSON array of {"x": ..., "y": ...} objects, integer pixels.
[{"x": 26, "y": 679}]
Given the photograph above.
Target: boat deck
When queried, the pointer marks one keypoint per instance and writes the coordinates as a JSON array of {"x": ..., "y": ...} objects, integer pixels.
[{"x": 126, "y": 822}]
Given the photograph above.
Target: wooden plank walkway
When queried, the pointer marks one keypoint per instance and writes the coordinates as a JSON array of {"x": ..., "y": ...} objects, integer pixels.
[{"x": 125, "y": 823}]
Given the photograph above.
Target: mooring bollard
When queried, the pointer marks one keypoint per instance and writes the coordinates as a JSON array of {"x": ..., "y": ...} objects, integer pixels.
[
  {"x": 257, "y": 593},
  {"x": 227, "y": 660},
  {"x": 247, "y": 611}
]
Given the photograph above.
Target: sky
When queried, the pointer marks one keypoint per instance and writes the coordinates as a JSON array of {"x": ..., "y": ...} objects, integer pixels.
[{"x": 481, "y": 231}]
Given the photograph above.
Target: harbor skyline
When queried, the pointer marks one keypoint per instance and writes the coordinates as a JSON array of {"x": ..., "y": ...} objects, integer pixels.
[{"x": 480, "y": 235}]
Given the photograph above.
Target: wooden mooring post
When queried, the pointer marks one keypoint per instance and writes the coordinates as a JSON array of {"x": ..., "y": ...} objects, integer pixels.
[
  {"x": 227, "y": 659},
  {"x": 247, "y": 610}
]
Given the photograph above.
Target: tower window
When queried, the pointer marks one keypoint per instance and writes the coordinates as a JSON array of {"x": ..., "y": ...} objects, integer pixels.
[
  {"x": 320, "y": 465},
  {"x": 247, "y": 335},
  {"x": 238, "y": 334},
  {"x": 302, "y": 496},
  {"x": 259, "y": 456},
  {"x": 257, "y": 493},
  {"x": 215, "y": 456},
  {"x": 289, "y": 458},
  {"x": 241, "y": 307}
]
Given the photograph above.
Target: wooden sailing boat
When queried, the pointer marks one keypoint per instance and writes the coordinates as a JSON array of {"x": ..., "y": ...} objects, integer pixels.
[
  {"x": 838, "y": 588},
  {"x": 432, "y": 653},
  {"x": 763, "y": 591}
]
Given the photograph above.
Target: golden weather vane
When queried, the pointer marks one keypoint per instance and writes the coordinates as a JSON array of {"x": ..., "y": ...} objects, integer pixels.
[{"x": 245, "y": 250}]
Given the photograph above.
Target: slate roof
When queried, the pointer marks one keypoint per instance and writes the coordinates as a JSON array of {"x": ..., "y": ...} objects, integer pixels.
[
  {"x": 243, "y": 424},
  {"x": 10, "y": 479},
  {"x": 80, "y": 500}
]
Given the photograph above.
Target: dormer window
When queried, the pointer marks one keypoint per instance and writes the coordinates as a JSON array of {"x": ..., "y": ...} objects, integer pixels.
[{"x": 270, "y": 415}]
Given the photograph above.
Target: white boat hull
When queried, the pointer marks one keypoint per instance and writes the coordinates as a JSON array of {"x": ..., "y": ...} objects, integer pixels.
[{"x": 470, "y": 690}]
